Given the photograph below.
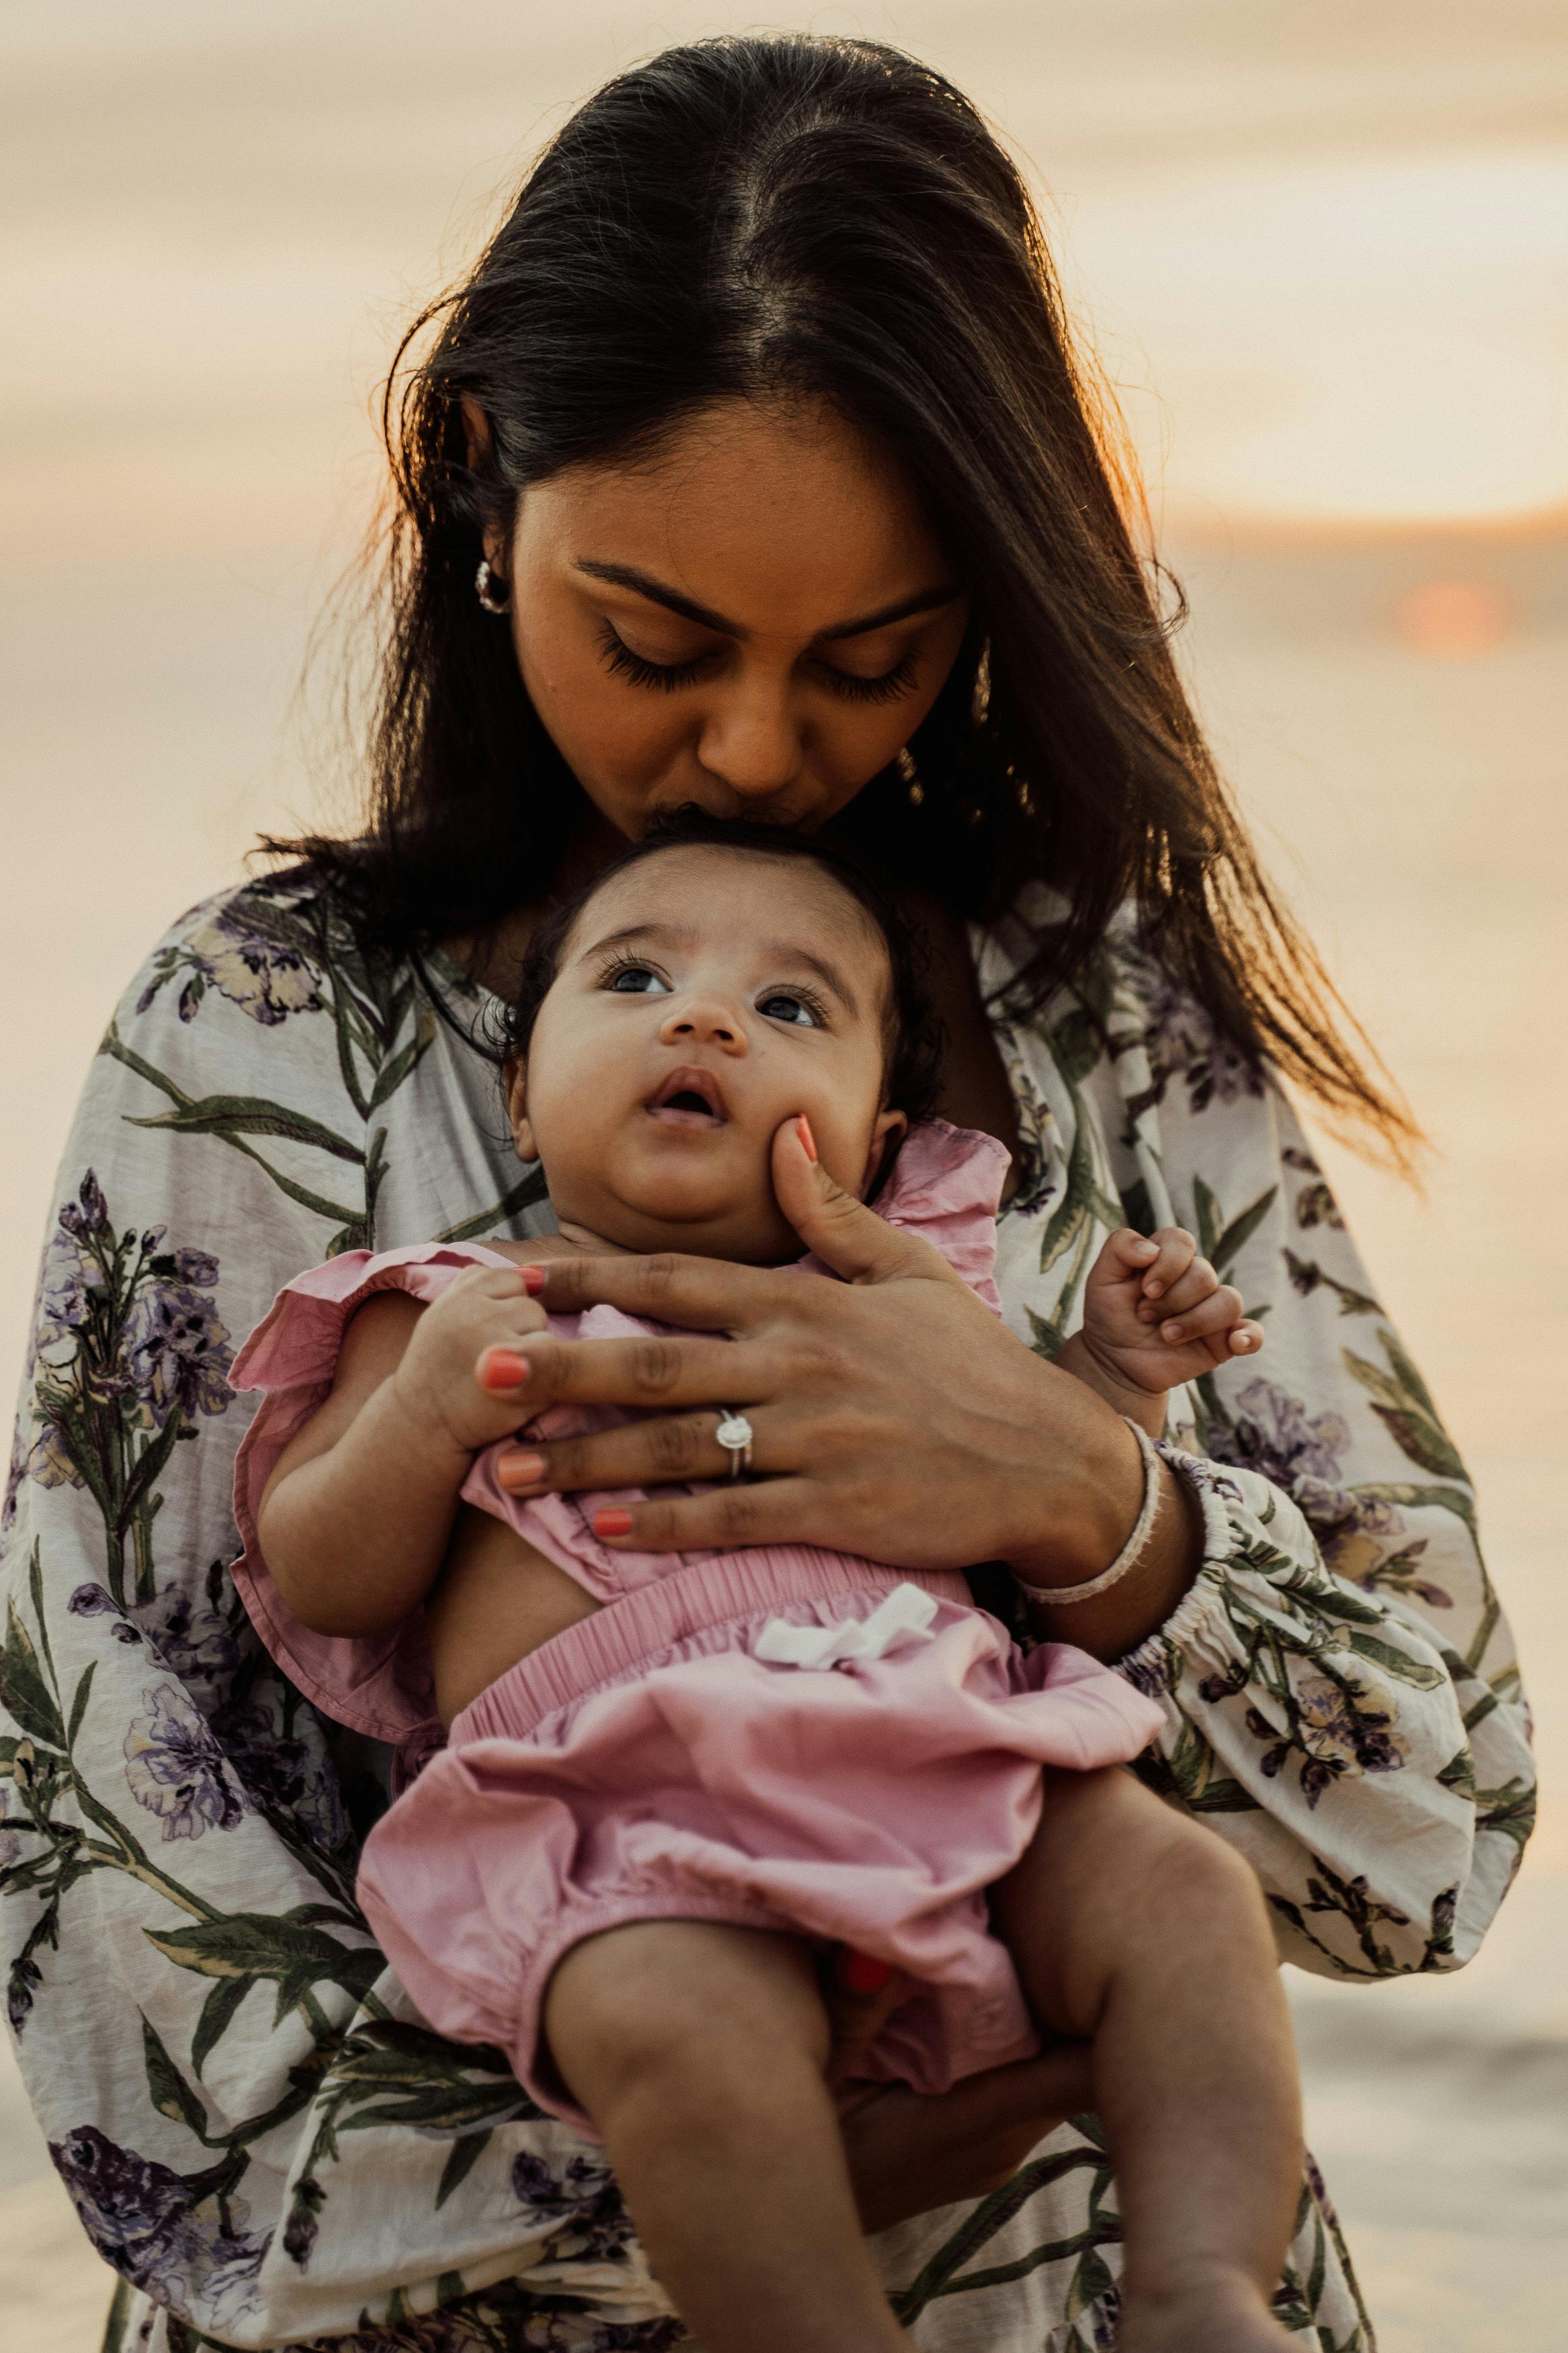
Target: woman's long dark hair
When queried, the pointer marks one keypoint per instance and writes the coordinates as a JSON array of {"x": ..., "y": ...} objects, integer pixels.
[{"x": 825, "y": 219}]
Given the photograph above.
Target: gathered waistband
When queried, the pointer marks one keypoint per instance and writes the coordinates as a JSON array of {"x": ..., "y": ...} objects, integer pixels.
[{"x": 653, "y": 1618}]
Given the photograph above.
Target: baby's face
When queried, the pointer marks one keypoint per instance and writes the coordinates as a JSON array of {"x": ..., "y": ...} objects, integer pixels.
[{"x": 705, "y": 997}]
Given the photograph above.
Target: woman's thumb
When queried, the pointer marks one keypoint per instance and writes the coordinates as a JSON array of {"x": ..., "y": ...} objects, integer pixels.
[{"x": 843, "y": 1232}]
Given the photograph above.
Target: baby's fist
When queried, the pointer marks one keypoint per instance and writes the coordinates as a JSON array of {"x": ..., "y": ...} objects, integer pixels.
[{"x": 1156, "y": 1315}]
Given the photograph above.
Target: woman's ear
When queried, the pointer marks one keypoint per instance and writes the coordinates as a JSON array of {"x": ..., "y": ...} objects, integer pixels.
[
  {"x": 477, "y": 436},
  {"x": 517, "y": 1112},
  {"x": 889, "y": 1131}
]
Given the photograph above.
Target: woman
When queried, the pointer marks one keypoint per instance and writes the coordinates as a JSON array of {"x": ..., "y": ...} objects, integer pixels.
[{"x": 749, "y": 467}]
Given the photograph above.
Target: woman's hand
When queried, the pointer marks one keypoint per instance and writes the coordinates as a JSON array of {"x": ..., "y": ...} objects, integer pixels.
[
  {"x": 908, "y": 2153},
  {"x": 893, "y": 1415}
]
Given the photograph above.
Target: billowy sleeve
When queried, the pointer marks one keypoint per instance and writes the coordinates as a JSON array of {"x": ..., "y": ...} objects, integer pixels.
[
  {"x": 257, "y": 2131},
  {"x": 1343, "y": 1701}
]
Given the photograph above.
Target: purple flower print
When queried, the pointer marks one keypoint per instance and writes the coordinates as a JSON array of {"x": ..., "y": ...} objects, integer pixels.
[
  {"x": 1273, "y": 1433},
  {"x": 96, "y": 1601},
  {"x": 177, "y": 1769},
  {"x": 142, "y": 2217},
  {"x": 1182, "y": 1041},
  {"x": 280, "y": 1755},
  {"x": 175, "y": 1350},
  {"x": 88, "y": 1215},
  {"x": 584, "y": 2202},
  {"x": 265, "y": 977}
]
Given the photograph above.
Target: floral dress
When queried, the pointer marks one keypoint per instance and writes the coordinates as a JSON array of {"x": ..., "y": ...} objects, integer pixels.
[{"x": 259, "y": 2131}]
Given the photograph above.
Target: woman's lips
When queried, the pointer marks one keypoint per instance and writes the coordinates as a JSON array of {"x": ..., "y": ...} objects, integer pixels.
[{"x": 688, "y": 1098}]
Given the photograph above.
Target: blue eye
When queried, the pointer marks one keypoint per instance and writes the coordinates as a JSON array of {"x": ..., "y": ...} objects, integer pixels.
[
  {"x": 782, "y": 1004},
  {"x": 637, "y": 980}
]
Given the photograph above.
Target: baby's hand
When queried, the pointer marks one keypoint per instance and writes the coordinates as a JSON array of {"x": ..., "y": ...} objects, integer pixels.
[
  {"x": 1155, "y": 1314},
  {"x": 461, "y": 1368}
]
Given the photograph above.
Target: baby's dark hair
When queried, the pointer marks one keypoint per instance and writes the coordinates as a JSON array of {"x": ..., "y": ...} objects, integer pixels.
[{"x": 913, "y": 1048}]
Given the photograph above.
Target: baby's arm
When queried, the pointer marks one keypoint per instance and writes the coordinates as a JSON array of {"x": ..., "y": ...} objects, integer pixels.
[
  {"x": 1154, "y": 1314},
  {"x": 355, "y": 1517}
]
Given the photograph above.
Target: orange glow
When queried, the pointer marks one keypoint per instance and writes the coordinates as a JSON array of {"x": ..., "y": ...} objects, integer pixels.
[{"x": 1453, "y": 621}]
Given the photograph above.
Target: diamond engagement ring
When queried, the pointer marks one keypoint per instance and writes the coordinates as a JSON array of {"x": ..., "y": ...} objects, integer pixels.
[{"x": 735, "y": 1434}]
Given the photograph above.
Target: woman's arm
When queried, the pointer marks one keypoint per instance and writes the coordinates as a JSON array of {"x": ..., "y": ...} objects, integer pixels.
[{"x": 1343, "y": 1699}]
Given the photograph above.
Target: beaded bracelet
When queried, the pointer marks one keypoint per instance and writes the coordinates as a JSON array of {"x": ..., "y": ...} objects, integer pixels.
[{"x": 1131, "y": 1551}]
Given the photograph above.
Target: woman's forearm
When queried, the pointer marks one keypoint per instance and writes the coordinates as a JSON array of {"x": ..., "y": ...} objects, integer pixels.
[
  {"x": 354, "y": 1537},
  {"x": 1087, "y": 1532}
]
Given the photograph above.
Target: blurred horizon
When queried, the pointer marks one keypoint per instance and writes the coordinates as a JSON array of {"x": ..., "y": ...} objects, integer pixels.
[{"x": 1321, "y": 256}]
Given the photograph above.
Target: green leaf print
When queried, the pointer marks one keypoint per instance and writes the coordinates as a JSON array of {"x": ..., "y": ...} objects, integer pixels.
[
  {"x": 1222, "y": 1243},
  {"x": 286, "y": 1950},
  {"x": 1403, "y": 1405},
  {"x": 172, "y": 2096},
  {"x": 26, "y": 1694}
]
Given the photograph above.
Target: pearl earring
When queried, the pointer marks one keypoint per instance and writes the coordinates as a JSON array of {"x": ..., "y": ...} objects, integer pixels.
[{"x": 486, "y": 582}]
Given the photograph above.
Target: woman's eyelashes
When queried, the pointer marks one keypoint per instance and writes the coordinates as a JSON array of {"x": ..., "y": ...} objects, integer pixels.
[{"x": 667, "y": 678}]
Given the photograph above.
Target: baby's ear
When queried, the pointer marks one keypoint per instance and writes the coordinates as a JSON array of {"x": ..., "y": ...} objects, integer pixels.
[
  {"x": 516, "y": 1111},
  {"x": 886, "y": 1135}
]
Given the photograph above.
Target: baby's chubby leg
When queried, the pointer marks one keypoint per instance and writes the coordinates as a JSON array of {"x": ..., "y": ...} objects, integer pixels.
[
  {"x": 1135, "y": 1926},
  {"x": 699, "y": 2049}
]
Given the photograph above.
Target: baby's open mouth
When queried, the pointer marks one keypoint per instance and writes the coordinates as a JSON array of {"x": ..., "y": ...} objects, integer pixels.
[{"x": 688, "y": 1098}]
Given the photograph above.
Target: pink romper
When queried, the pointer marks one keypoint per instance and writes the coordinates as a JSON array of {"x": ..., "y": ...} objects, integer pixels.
[{"x": 780, "y": 1738}]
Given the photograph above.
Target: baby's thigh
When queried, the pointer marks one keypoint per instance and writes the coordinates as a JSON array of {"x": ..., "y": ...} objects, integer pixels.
[
  {"x": 693, "y": 2000},
  {"x": 1108, "y": 1873}
]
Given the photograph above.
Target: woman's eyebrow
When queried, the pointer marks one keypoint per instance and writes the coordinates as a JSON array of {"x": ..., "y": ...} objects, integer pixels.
[{"x": 643, "y": 584}]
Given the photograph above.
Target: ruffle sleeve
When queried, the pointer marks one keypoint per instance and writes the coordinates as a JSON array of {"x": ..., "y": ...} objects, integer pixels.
[{"x": 378, "y": 1685}]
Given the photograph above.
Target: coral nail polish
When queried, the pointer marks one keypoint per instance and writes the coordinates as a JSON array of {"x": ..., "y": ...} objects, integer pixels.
[
  {"x": 533, "y": 1281},
  {"x": 504, "y": 1369},
  {"x": 864, "y": 1973},
  {"x": 807, "y": 1141},
  {"x": 612, "y": 1521}
]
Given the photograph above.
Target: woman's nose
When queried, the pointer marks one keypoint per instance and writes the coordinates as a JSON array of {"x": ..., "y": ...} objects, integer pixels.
[
  {"x": 751, "y": 743},
  {"x": 705, "y": 1021}
]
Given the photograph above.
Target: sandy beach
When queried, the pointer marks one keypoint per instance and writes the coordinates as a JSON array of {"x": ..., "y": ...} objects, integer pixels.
[{"x": 1357, "y": 475}]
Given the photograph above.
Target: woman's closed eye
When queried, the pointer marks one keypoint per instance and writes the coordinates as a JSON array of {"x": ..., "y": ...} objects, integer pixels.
[{"x": 668, "y": 678}]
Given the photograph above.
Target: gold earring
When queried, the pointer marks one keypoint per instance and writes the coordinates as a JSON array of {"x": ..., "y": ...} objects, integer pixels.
[
  {"x": 909, "y": 775},
  {"x": 980, "y": 700}
]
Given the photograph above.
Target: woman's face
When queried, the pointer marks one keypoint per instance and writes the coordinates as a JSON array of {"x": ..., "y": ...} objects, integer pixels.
[{"x": 755, "y": 619}]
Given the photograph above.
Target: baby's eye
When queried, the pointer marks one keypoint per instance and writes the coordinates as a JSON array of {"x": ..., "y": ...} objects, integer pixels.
[
  {"x": 638, "y": 980},
  {"x": 782, "y": 1004}
]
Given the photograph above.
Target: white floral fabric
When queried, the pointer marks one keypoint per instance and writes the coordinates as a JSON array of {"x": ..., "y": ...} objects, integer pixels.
[{"x": 259, "y": 2132}]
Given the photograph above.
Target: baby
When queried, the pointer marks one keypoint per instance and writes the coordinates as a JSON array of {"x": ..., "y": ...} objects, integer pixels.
[{"x": 672, "y": 1782}]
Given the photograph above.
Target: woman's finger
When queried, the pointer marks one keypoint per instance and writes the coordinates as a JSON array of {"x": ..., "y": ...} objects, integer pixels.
[
  {"x": 699, "y": 1294},
  {"x": 843, "y": 1232},
  {"x": 635, "y": 1454},
  {"x": 649, "y": 1372},
  {"x": 907, "y": 2154},
  {"x": 862, "y": 1993},
  {"x": 738, "y": 1513}
]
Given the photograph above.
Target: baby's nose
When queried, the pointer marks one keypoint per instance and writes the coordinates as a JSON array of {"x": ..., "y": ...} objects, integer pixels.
[{"x": 707, "y": 1022}]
